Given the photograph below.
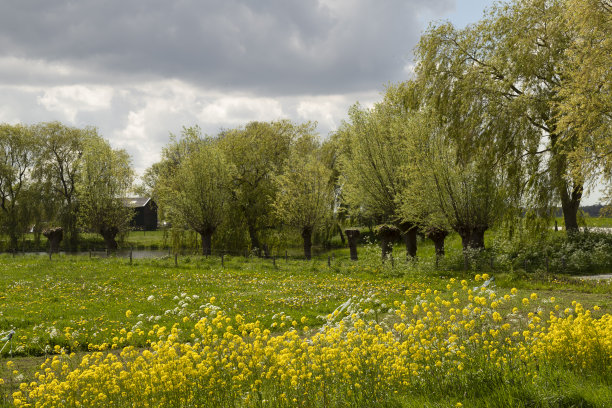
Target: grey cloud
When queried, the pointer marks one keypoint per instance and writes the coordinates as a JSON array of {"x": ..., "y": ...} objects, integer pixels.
[{"x": 276, "y": 47}]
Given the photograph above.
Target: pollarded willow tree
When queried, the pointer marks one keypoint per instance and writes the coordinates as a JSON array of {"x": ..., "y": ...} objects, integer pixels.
[
  {"x": 517, "y": 55},
  {"x": 465, "y": 192},
  {"x": 106, "y": 177},
  {"x": 304, "y": 192},
  {"x": 196, "y": 193},
  {"x": 468, "y": 142},
  {"x": 370, "y": 165},
  {"x": 419, "y": 200},
  {"x": 257, "y": 152}
]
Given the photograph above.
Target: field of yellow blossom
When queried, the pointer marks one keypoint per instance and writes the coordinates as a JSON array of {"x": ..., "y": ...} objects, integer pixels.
[{"x": 252, "y": 334}]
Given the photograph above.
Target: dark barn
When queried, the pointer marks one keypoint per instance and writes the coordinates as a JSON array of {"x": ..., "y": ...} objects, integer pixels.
[{"x": 145, "y": 213}]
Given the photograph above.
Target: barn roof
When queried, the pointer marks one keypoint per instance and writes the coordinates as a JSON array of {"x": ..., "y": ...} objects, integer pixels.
[{"x": 135, "y": 202}]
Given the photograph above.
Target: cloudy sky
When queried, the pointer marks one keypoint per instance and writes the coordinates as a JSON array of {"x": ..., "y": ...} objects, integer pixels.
[{"x": 138, "y": 70}]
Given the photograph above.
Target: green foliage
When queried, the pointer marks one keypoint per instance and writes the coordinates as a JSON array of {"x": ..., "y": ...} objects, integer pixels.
[
  {"x": 106, "y": 177},
  {"x": 57, "y": 171},
  {"x": 513, "y": 60},
  {"x": 370, "y": 161},
  {"x": 257, "y": 153},
  {"x": 19, "y": 149},
  {"x": 585, "y": 100},
  {"x": 196, "y": 194},
  {"x": 304, "y": 196}
]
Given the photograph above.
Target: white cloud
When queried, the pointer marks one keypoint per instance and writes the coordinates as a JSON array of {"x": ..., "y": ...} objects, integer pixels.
[
  {"x": 237, "y": 110},
  {"x": 330, "y": 110},
  {"x": 72, "y": 99}
]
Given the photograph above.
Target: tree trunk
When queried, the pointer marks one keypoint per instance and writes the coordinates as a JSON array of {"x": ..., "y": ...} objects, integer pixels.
[
  {"x": 353, "y": 238},
  {"x": 55, "y": 236},
  {"x": 409, "y": 234},
  {"x": 206, "y": 236},
  {"x": 72, "y": 233},
  {"x": 570, "y": 201},
  {"x": 570, "y": 204},
  {"x": 438, "y": 236},
  {"x": 307, "y": 237},
  {"x": 109, "y": 234},
  {"x": 342, "y": 239},
  {"x": 388, "y": 234},
  {"x": 255, "y": 245},
  {"x": 73, "y": 238},
  {"x": 472, "y": 237}
]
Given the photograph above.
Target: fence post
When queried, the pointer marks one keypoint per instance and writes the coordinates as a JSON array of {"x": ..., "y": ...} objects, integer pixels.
[
  {"x": 176, "y": 259},
  {"x": 286, "y": 258},
  {"x": 89, "y": 253},
  {"x": 329, "y": 261},
  {"x": 130, "y": 256},
  {"x": 222, "y": 264}
]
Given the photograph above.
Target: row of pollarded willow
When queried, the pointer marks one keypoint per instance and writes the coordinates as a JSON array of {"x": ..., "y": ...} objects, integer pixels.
[
  {"x": 267, "y": 174},
  {"x": 52, "y": 174}
]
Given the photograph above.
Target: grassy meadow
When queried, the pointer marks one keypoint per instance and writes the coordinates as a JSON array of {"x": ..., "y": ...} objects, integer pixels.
[{"x": 257, "y": 332}]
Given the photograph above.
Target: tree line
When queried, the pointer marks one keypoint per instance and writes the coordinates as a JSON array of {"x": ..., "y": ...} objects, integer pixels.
[
  {"x": 506, "y": 118},
  {"x": 53, "y": 174}
]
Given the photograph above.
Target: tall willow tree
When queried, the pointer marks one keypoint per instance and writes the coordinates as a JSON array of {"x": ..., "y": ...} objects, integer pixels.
[
  {"x": 370, "y": 165},
  {"x": 106, "y": 178},
  {"x": 304, "y": 195},
  {"x": 159, "y": 175},
  {"x": 585, "y": 104},
  {"x": 59, "y": 169},
  {"x": 197, "y": 193},
  {"x": 18, "y": 153},
  {"x": 257, "y": 152},
  {"x": 419, "y": 201},
  {"x": 515, "y": 58}
]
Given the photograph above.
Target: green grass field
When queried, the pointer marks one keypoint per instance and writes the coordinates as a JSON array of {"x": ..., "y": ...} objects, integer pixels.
[{"x": 73, "y": 304}]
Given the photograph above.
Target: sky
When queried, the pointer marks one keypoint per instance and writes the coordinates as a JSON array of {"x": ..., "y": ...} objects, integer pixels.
[{"x": 140, "y": 70}]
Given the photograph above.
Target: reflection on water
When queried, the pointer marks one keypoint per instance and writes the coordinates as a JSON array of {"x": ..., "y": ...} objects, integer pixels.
[{"x": 121, "y": 253}]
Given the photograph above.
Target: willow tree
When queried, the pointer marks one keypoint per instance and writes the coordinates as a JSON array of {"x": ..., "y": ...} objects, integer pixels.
[
  {"x": 304, "y": 196},
  {"x": 196, "y": 194},
  {"x": 419, "y": 201},
  {"x": 465, "y": 192},
  {"x": 157, "y": 177},
  {"x": 18, "y": 154},
  {"x": 585, "y": 104},
  {"x": 105, "y": 179},
  {"x": 58, "y": 170},
  {"x": 516, "y": 57},
  {"x": 257, "y": 152},
  {"x": 370, "y": 166},
  {"x": 467, "y": 142}
]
